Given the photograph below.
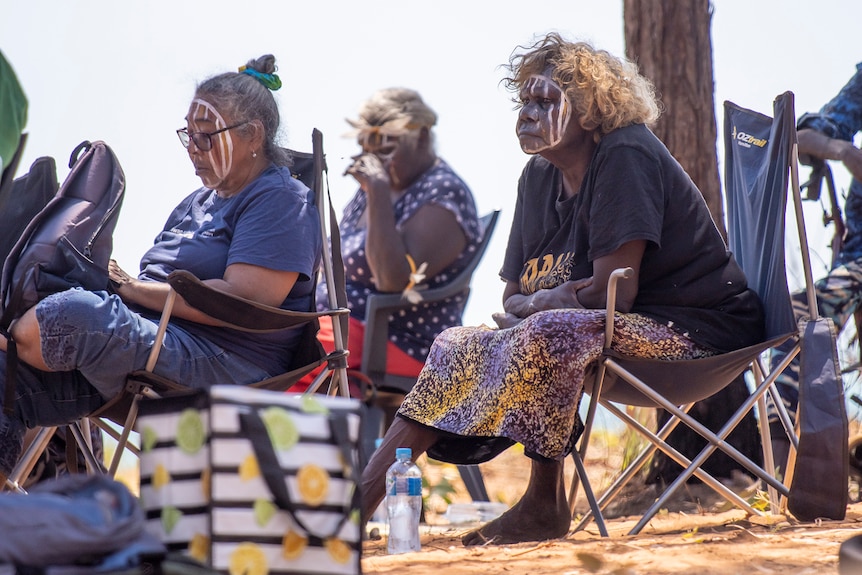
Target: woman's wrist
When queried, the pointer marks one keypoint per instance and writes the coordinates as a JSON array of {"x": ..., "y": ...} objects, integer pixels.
[
  {"x": 842, "y": 150},
  {"x": 123, "y": 287},
  {"x": 578, "y": 303},
  {"x": 531, "y": 305}
]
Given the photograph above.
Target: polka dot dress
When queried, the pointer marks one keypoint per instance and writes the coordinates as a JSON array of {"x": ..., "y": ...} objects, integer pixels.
[{"x": 412, "y": 329}]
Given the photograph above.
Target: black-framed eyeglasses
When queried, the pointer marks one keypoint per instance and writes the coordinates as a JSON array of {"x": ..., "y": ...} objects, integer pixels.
[{"x": 203, "y": 140}]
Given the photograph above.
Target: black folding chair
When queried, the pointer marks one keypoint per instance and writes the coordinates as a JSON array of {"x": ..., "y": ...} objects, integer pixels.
[{"x": 761, "y": 153}]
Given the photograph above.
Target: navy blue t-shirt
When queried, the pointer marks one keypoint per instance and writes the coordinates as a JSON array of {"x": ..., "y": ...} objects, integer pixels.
[{"x": 272, "y": 223}]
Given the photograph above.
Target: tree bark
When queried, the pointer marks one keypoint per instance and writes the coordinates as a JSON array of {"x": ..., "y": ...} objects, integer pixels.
[{"x": 670, "y": 41}]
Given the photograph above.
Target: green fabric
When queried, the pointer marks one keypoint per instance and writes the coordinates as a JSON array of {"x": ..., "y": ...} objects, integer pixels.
[{"x": 13, "y": 112}]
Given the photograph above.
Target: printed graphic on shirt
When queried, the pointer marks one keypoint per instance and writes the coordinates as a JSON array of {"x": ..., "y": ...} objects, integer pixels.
[{"x": 546, "y": 272}]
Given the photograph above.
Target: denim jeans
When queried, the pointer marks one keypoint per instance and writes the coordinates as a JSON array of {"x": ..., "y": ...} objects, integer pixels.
[{"x": 92, "y": 341}]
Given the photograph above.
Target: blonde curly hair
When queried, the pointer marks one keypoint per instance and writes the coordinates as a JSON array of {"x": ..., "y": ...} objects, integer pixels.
[{"x": 605, "y": 91}]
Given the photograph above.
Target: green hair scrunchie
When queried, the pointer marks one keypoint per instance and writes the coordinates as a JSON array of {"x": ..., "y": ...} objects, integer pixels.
[{"x": 271, "y": 81}]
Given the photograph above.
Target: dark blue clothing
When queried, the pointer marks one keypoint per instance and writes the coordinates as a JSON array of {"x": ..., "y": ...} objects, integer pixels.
[
  {"x": 838, "y": 294},
  {"x": 841, "y": 119},
  {"x": 272, "y": 223}
]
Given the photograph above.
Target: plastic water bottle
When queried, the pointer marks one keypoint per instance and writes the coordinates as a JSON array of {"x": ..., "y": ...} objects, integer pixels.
[{"x": 403, "y": 503}]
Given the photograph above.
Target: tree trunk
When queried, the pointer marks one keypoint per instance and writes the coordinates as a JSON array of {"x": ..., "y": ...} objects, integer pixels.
[{"x": 671, "y": 43}]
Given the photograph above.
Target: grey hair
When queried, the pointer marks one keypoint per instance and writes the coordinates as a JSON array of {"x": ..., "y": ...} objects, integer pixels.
[{"x": 244, "y": 98}]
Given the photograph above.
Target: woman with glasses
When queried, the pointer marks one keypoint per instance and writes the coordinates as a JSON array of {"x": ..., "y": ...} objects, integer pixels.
[{"x": 252, "y": 230}]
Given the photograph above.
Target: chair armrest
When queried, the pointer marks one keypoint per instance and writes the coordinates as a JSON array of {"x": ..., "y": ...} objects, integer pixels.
[
  {"x": 236, "y": 312},
  {"x": 611, "y": 301},
  {"x": 379, "y": 306}
]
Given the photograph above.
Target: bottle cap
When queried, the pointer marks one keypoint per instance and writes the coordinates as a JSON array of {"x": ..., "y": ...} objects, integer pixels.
[{"x": 403, "y": 453}]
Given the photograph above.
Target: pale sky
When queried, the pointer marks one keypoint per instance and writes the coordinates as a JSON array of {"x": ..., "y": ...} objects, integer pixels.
[{"x": 124, "y": 72}]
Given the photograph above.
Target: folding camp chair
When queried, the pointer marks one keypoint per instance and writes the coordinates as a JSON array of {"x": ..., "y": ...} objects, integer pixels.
[
  {"x": 391, "y": 388},
  {"x": 239, "y": 314},
  {"x": 761, "y": 151}
]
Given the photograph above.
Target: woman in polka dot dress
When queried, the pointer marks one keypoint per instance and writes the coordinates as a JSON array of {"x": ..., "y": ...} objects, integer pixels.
[{"x": 411, "y": 224}]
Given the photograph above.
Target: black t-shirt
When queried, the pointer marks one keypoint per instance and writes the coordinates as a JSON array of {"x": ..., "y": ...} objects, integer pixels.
[{"x": 635, "y": 190}]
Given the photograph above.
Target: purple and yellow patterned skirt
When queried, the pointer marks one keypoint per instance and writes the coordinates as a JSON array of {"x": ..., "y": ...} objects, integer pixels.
[{"x": 485, "y": 389}]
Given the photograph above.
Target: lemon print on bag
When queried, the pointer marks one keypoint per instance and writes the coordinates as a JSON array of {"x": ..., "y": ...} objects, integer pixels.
[
  {"x": 249, "y": 469},
  {"x": 199, "y": 547},
  {"x": 313, "y": 482},
  {"x": 206, "y": 482},
  {"x": 280, "y": 426},
  {"x": 338, "y": 550},
  {"x": 293, "y": 545},
  {"x": 161, "y": 476},
  {"x": 149, "y": 438},
  {"x": 248, "y": 559},
  {"x": 312, "y": 405},
  {"x": 190, "y": 431},
  {"x": 170, "y": 517},
  {"x": 264, "y": 510}
]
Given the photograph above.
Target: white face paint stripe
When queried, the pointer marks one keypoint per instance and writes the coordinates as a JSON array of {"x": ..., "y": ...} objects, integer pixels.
[
  {"x": 221, "y": 165},
  {"x": 563, "y": 118},
  {"x": 558, "y": 117}
]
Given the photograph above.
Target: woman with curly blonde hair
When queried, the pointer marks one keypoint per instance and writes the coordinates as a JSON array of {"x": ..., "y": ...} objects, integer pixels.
[
  {"x": 600, "y": 192},
  {"x": 606, "y": 92}
]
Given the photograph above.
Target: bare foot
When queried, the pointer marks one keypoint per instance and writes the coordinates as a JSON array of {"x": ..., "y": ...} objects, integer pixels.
[{"x": 518, "y": 525}]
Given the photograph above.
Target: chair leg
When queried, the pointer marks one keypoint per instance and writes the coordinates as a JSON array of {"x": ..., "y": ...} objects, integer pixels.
[
  {"x": 595, "y": 395},
  {"x": 581, "y": 472},
  {"x": 472, "y": 477},
  {"x": 634, "y": 467},
  {"x": 81, "y": 433},
  {"x": 766, "y": 445},
  {"x": 28, "y": 459},
  {"x": 111, "y": 432},
  {"x": 124, "y": 435},
  {"x": 371, "y": 429},
  {"x": 691, "y": 468}
]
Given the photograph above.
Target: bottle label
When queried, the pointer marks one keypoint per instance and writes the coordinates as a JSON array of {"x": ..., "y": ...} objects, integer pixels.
[{"x": 406, "y": 486}]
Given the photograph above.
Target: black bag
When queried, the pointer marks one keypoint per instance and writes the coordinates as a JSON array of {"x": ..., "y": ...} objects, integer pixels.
[
  {"x": 67, "y": 244},
  {"x": 819, "y": 487},
  {"x": 25, "y": 197}
]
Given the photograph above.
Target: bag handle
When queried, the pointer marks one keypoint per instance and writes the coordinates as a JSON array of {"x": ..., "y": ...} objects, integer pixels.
[{"x": 254, "y": 429}]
